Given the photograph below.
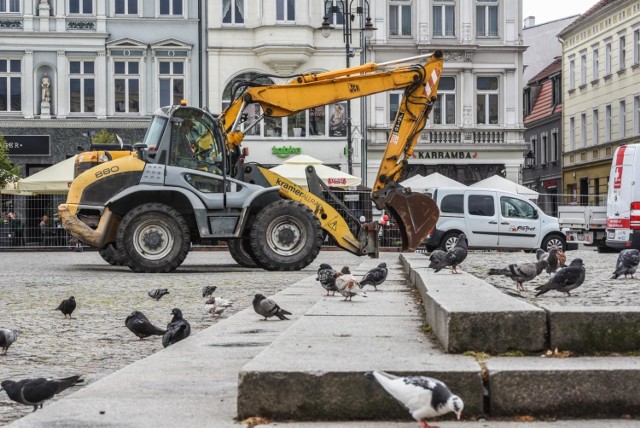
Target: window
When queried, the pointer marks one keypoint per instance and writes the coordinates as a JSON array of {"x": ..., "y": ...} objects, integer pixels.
[
  {"x": 336, "y": 18},
  {"x": 526, "y": 101},
  {"x": 9, "y": 6},
  {"x": 394, "y": 105},
  {"x": 572, "y": 73},
  {"x": 10, "y": 85},
  {"x": 285, "y": 10},
  {"x": 82, "y": 93},
  {"x": 595, "y": 137},
  {"x": 452, "y": 204},
  {"x": 556, "y": 95},
  {"x": 171, "y": 7},
  {"x": 81, "y": 6},
  {"x": 487, "y": 18},
  {"x": 487, "y": 101},
  {"x": 444, "y": 20},
  {"x": 444, "y": 111},
  {"x": 583, "y": 68},
  {"x": 554, "y": 146},
  {"x": 572, "y": 133},
  {"x": 636, "y": 114},
  {"x": 622, "y": 119},
  {"x": 607, "y": 123},
  {"x": 636, "y": 46},
  {"x": 193, "y": 146},
  {"x": 607, "y": 57},
  {"x": 482, "y": 205},
  {"x": 595, "y": 64},
  {"x": 544, "y": 149},
  {"x": 623, "y": 53},
  {"x": 400, "y": 18},
  {"x": 516, "y": 208},
  {"x": 127, "y": 86},
  {"x": 171, "y": 84},
  {"x": 126, "y": 7},
  {"x": 583, "y": 130},
  {"x": 233, "y": 12}
]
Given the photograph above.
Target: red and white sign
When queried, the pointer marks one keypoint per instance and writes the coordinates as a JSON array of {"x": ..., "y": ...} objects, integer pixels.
[{"x": 617, "y": 178}]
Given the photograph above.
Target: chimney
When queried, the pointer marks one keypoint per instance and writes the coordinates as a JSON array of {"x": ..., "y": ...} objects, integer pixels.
[{"x": 529, "y": 21}]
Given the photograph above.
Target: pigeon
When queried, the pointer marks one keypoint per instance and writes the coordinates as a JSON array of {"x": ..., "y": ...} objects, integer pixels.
[
  {"x": 425, "y": 397},
  {"x": 34, "y": 392},
  {"x": 627, "y": 263},
  {"x": 346, "y": 284},
  {"x": 327, "y": 277},
  {"x": 177, "y": 329},
  {"x": 551, "y": 257},
  {"x": 67, "y": 306},
  {"x": 216, "y": 305},
  {"x": 521, "y": 272},
  {"x": 7, "y": 337},
  {"x": 157, "y": 293},
  {"x": 436, "y": 257},
  {"x": 268, "y": 308},
  {"x": 566, "y": 279},
  {"x": 375, "y": 276},
  {"x": 208, "y": 290},
  {"x": 140, "y": 325},
  {"x": 454, "y": 257}
]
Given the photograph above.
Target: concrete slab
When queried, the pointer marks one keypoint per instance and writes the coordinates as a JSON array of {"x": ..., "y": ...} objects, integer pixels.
[
  {"x": 594, "y": 328},
  {"x": 570, "y": 387}
]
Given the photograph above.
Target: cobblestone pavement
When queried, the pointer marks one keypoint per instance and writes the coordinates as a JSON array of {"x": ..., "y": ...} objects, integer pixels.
[{"x": 96, "y": 343}]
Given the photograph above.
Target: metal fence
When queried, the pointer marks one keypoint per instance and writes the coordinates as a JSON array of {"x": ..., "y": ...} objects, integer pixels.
[{"x": 24, "y": 223}]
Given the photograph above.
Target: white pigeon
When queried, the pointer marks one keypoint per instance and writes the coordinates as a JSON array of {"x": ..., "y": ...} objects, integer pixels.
[
  {"x": 347, "y": 284},
  {"x": 216, "y": 305},
  {"x": 425, "y": 397}
]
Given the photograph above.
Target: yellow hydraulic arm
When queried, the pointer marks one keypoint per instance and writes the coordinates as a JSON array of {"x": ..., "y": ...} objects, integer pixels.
[{"x": 416, "y": 214}]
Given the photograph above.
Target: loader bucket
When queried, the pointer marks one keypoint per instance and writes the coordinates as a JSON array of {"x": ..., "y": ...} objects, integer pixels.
[{"x": 415, "y": 213}]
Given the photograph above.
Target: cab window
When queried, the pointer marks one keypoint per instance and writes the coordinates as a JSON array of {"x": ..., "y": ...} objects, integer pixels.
[
  {"x": 517, "y": 208},
  {"x": 482, "y": 205},
  {"x": 193, "y": 144},
  {"x": 452, "y": 204}
]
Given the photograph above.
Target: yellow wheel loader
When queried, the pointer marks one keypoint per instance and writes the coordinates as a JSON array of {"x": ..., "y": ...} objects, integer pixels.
[{"x": 189, "y": 181}]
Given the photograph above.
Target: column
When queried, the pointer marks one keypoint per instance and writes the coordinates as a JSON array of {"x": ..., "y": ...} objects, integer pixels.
[
  {"x": 28, "y": 16},
  {"x": 102, "y": 83},
  {"x": 27, "y": 86},
  {"x": 43, "y": 16},
  {"x": 61, "y": 90},
  {"x": 101, "y": 16},
  {"x": 60, "y": 15}
]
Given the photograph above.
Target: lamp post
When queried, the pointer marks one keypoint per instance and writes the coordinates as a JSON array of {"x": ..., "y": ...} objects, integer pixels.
[{"x": 348, "y": 14}]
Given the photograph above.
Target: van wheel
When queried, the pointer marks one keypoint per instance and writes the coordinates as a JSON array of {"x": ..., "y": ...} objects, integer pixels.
[
  {"x": 554, "y": 241},
  {"x": 449, "y": 241}
]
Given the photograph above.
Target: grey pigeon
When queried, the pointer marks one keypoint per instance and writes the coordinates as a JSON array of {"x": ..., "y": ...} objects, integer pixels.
[
  {"x": 157, "y": 293},
  {"x": 67, "y": 306},
  {"x": 177, "y": 329},
  {"x": 453, "y": 257},
  {"x": 521, "y": 272},
  {"x": 347, "y": 284},
  {"x": 627, "y": 263},
  {"x": 436, "y": 257},
  {"x": 425, "y": 397},
  {"x": 375, "y": 276},
  {"x": 551, "y": 257},
  {"x": 140, "y": 325},
  {"x": 327, "y": 277},
  {"x": 208, "y": 290},
  {"x": 7, "y": 337},
  {"x": 566, "y": 279},
  {"x": 268, "y": 308},
  {"x": 34, "y": 392}
]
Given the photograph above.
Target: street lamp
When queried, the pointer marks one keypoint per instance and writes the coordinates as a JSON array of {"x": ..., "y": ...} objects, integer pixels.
[
  {"x": 529, "y": 159},
  {"x": 348, "y": 14}
]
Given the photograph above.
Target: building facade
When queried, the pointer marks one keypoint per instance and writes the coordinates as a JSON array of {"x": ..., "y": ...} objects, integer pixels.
[{"x": 601, "y": 100}]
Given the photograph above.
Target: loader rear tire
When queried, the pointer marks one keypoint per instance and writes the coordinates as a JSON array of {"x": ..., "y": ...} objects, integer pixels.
[
  {"x": 285, "y": 236},
  {"x": 153, "y": 238},
  {"x": 241, "y": 252},
  {"x": 110, "y": 255}
]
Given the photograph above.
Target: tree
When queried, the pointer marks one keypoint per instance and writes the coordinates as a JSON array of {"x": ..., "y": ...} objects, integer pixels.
[
  {"x": 104, "y": 137},
  {"x": 8, "y": 172}
]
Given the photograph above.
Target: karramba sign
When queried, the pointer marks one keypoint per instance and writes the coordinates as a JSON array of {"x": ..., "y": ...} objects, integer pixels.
[{"x": 423, "y": 154}]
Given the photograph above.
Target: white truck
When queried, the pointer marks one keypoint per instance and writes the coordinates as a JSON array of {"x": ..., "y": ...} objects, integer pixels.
[{"x": 584, "y": 225}]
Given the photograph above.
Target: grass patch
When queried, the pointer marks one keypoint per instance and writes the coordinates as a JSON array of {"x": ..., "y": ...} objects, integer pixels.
[{"x": 479, "y": 356}]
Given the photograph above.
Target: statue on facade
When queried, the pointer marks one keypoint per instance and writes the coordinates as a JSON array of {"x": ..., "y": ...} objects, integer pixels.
[{"x": 45, "y": 86}]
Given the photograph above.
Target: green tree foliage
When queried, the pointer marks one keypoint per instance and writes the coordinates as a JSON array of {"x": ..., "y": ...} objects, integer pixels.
[
  {"x": 104, "y": 137},
  {"x": 8, "y": 172}
]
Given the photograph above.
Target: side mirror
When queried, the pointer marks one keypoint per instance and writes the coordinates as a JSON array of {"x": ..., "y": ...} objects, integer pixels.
[{"x": 139, "y": 148}]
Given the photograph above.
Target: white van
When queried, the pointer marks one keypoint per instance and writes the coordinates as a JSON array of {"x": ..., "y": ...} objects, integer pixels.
[
  {"x": 492, "y": 219},
  {"x": 623, "y": 198}
]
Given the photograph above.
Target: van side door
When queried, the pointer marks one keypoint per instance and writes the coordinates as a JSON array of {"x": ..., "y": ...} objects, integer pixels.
[
  {"x": 481, "y": 219},
  {"x": 519, "y": 223}
]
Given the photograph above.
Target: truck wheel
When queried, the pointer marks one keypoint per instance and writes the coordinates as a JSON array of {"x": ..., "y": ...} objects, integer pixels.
[
  {"x": 285, "y": 236},
  {"x": 449, "y": 241},
  {"x": 110, "y": 255},
  {"x": 153, "y": 238},
  {"x": 554, "y": 241},
  {"x": 241, "y": 252}
]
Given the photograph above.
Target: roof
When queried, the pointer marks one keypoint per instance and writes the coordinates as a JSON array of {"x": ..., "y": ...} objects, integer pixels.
[
  {"x": 543, "y": 106},
  {"x": 588, "y": 14},
  {"x": 550, "y": 69}
]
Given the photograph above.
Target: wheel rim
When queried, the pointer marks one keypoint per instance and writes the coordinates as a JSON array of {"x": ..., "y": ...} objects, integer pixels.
[
  {"x": 286, "y": 235},
  {"x": 554, "y": 242},
  {"x": 153, "y": 239},
  {"x": 450, "y": 243}
]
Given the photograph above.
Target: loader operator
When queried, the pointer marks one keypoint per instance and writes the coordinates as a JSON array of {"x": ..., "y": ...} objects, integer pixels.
[{"x": 196, "y": 148}]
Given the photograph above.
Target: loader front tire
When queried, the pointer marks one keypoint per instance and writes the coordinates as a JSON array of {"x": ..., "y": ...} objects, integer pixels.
[
  {"x": 241, "y": 252},
  {"x": 153, "y": 238},
  {"x": 110, "y": 254},
  {"x": 285, "y": 236}
]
